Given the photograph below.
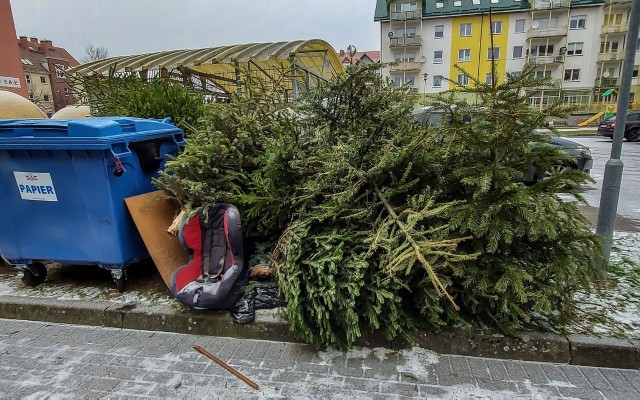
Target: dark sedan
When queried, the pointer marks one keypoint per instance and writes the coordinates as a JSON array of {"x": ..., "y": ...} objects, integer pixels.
[{"x": 631, "y": 130}]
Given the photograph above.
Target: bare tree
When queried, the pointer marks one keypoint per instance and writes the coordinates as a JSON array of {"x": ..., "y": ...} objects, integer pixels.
[{"x": 93, "y": 53}]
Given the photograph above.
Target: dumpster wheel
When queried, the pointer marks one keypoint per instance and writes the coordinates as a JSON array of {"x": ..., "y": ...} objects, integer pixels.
[
  {"x": 34, "y": 274},
  {"x": 120, "y": 284},
  {"x": 119, "y": 277}
]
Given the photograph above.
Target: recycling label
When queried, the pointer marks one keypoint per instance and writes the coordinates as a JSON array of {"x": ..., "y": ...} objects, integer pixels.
[{"x": 36, "y": 186}]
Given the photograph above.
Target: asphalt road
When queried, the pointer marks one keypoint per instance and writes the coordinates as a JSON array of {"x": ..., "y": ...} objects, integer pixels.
[
  {"x": 629, "y": 203},
  {"x": 55, "y": 361}
]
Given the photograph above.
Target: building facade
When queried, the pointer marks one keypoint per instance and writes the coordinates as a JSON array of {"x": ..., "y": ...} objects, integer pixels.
[
  {"x": 44, "y": 67},
  {"x": 11, "y": 76},
  {"x": 578, "y": 44}
]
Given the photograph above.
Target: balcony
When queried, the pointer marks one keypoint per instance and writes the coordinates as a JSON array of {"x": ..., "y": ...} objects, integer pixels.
[
  {"x": 614, "y": 28},
  {"x": 552, "y": 84},
  {"x": 611, "y": 56},
  {"x": 549, "y": 4},
  {"x": 405, "y": 15},
  {"x": 546, "y": 60},
  {"x": 557, "y": 31},
  {"x": 607, "y": 82},
  {"x": 406, "y": 41},
  {"x": 405, "y": 66}
]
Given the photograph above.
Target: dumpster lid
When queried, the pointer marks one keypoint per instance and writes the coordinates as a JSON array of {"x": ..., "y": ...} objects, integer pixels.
[{"x": 97, "y": 132}]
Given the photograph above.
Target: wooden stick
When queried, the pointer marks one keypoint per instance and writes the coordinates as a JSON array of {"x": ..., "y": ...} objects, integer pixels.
[{"x": 227, "y": 367}]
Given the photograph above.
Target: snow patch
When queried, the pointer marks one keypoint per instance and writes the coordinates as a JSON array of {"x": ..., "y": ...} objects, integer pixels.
[
  {"x": 416, "y": 360},
  {"x": 381, "y": 353},
  {"x": 561, "y": 384},
  {"x": 328, "y": 356}
]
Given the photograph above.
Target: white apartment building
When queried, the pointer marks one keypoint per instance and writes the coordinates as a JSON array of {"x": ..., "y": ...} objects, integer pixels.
[{"x": 578, "y": 44}]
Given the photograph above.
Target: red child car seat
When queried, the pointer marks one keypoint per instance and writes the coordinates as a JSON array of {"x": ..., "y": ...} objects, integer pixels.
[{"x": 216, "y": 272}]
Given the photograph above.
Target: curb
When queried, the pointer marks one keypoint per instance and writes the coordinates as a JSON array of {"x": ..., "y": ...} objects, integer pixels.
[{"x": 269, "y": 325}]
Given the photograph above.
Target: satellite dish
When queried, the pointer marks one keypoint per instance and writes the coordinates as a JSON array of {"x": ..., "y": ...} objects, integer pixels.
[
  {"x": 390, "y": 34},
  {"x": 606, "y": 74},
  {"x": 423, "y": 59},
  {"x": 535, "y": 24}
]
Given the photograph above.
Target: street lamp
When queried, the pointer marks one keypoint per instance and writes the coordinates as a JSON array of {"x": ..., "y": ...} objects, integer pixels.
[{"x": 424, "y": 89}]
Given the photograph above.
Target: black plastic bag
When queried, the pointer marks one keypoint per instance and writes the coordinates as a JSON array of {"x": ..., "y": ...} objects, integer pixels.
[{"x": 260, "y": 297}]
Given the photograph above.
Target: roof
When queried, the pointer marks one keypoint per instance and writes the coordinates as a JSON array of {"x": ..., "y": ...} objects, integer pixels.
[
  {"x": 37, "y": 60},
  {"x": 467, "y": 7},
  {"x": 315, "y": 56},
  {"x": 374, "y": 56},
  {"x": 36, "y": 54}
]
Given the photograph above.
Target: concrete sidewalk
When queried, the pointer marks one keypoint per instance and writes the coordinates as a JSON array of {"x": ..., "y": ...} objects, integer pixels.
[
  {"x": 271, "y": 325},
  {"x": 58, "y": 361}
]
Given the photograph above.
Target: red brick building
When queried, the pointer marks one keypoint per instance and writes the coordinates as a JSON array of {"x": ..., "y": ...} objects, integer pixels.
[
  {"x": 41, "y": 57},
  {"x": 11, "y": 75}
]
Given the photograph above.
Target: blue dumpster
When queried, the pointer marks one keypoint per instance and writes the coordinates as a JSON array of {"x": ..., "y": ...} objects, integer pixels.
[{"x": 63, "y": 189}]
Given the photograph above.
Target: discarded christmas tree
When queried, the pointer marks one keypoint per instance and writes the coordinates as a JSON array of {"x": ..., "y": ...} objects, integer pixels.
[
  {"x": 536, "y": 249},
  {"x": 380, "y": 224}
]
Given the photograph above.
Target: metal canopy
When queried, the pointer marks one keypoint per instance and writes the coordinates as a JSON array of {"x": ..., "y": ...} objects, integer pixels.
[{"x": 224, "y": 69}]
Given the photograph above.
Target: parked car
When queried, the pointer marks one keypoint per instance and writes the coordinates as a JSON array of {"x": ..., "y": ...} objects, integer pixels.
[
  {"x": 581, "y": 154},
  {"x": 631, "y": 129}
]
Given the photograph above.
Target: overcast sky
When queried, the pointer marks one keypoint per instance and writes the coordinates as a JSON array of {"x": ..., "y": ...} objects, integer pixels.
[{"x": 140, "y": 26}]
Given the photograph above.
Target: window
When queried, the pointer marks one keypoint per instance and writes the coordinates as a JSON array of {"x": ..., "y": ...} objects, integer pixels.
[
  {"x": 66, "y": 91},
  {"x": 46, "y": 97},
  {"x": 517, "y": 51},
  {"x": 26, "y": 61},
  {"x": 542, "y": 50},
  {"x": 572, "y": 75},
  {"x": 32, "y": 97},
  {"x": 439, "y": 31},
  {"x": 437, "y": 57},
  {"x": 437, "y": 80},
  {"x": 457, "y": 3},
  {"x": 570, "y": 99},
  {"x": 536, "y": 100},
  {"x": 465, "y": 29},
  {"x": 496, "y": 27},
  {"x": 439, "y": 4},
  {"x": 493, "y": 53},
  {"x": 520, "y": 25},
  {"x": 43, "y": 79},
  {"x": 574, "y": 49},
  {"x": 606, "y": 47},
  {"x": 638, "y": 45},
  {"x": 545, "y": 23},
  {"x": 463, "y": 80},
  {"x": 59, "y": 71},
  {"x": 476, "y": 2},
  {"x": 411, "y": 6},
  {"x": 634, "y": 74},
  {"x": 515, "y": 74},
  {"x": 542, "y": 74},
  {"x": 27, "y": 78},
  {"x": 400, "y": 32},
  {"x": 400, "y": 57},
  {"x": 613, "y": 19},
  {"x": 489, "y": 78},
  {"x": 464, "y": 55},
  {"x": 399, "y": 80},
  {"x": 578, "y": 22}
]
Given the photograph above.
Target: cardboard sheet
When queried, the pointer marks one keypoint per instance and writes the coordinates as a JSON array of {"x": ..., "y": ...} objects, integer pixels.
[{"x": 153, "y": 215}]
